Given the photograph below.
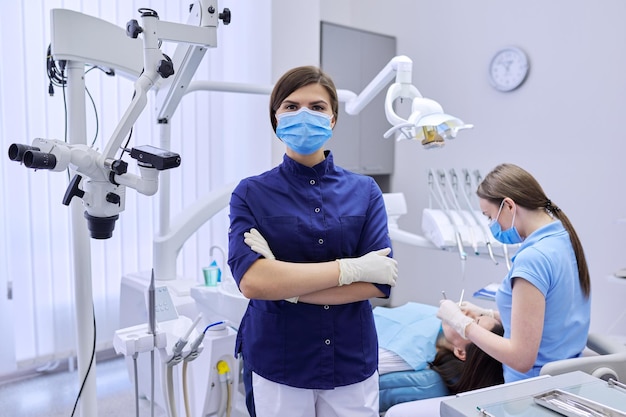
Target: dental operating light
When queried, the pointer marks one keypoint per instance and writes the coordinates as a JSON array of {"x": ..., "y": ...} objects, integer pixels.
[{"x": 427, "y": 121}]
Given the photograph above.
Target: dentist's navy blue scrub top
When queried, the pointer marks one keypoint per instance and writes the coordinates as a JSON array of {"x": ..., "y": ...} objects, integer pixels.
[{"x": 308, "y": 214}]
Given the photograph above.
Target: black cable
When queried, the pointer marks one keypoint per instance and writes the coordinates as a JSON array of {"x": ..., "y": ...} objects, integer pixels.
[
  {"x": 125, "y": 147},
  {"x": 57, "y": 78},
  {"x": 135, "y": 373},
  {"x": 107, "y": 71},
  {"x": 65, "y": 109},
  {"x": 93, "y": 354},
  {"x": 130, "y": 133},
  {"x": 95, "y": 113},
  {"x": 95, "y": 110}
]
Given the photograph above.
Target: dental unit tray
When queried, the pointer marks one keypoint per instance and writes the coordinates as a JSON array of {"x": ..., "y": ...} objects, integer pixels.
[{"x": 571, "y": 405}]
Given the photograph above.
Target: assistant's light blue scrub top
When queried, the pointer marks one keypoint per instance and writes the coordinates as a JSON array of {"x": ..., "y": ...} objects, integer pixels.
[{"x": 546, "y": 259}]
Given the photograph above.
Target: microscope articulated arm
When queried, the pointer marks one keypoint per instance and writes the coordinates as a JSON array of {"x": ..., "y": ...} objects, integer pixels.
[
  {"x": 134, "y": 110},
  {"x": 103, "y": 191}
]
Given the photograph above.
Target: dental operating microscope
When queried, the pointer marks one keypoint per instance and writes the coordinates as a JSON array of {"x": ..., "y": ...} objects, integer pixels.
[{"x": 100, "y": 179}]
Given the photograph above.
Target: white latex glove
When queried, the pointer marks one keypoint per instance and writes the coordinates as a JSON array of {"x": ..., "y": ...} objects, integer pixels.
[
  {"x": 374, "y": 267},
  {"x": 476, "y": 311},
  {"x": 258, "y": 244},
  {"x": 451, "y": 313}
]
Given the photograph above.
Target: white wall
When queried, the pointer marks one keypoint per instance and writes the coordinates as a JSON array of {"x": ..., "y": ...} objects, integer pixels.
[{"x": 563, "y": 124}]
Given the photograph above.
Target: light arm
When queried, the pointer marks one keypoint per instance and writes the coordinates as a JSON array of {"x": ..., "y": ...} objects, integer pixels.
[
  {"x": 399, "y": 67},
  {"x": 427, "y": 122}
]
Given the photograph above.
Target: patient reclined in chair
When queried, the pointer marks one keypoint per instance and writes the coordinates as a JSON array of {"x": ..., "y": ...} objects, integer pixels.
[{"x": 421, "y": 358}]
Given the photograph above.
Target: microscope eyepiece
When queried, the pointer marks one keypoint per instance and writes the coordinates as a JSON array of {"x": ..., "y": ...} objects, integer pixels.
[
  {"x": 17, "y": 151},
  {"x": 39, "y": 160}
]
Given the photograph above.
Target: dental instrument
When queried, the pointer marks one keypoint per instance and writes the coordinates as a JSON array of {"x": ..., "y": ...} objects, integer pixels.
[
  {"x": 194, "y": 351},
  {"x": 177, "y": 350},
  {"x": 226, "y": 399},
  {"x": 443, "y": 293},
  {"x": 480, "y": 224},
  {"x": 484, "y": 412},
  {"x": 531, "y": 396},
  {"x": 505, "y": 250},
  {"x": 434, "y": 185},
  {"x": 614, "y": 383},
  {"x": 176, "y": 357},
  {"x": 152, "y": 329},
  {"x": 451, "y": 181},
  {"x": 445, "y": 208}
]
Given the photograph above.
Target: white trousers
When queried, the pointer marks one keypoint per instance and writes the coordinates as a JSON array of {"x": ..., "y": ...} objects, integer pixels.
[{"x": 357, "y": 400}]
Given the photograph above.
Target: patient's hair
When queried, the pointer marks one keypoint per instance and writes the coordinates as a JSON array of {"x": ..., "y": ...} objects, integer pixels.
[
  {"x": 479, "y": 370},
  {"x": 508, "y": 180}
]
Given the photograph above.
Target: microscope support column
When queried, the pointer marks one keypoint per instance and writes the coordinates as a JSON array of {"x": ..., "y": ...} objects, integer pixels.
[{"x": 81, "y": 249}]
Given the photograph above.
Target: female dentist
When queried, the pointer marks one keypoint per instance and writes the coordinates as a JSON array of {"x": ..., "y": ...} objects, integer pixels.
[
  {"x": 308, "y": 338},
  {"x": 544, "y": 301}
]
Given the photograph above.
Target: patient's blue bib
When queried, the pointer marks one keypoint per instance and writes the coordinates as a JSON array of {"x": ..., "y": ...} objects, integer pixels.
[{"x": 410, "y": 331}]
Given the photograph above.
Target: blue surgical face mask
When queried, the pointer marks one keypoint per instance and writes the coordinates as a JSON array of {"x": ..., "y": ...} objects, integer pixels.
[
  {"x": 509, "y": 236},
  {"x": 304, "y": 131}
]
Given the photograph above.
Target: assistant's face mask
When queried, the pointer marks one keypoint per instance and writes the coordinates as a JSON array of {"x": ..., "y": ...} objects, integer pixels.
[
  {"x": 509, "y": 236},
  {"x": 304, "y": 131}
]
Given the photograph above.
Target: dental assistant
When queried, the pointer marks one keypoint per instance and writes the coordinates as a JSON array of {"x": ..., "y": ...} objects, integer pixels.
[
  {"x": 308, "y": 338},
  {"x": 544, "y": 302}
]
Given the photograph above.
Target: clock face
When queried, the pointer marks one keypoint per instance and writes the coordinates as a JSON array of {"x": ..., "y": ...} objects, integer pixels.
[{"x": 508, "y": 69}]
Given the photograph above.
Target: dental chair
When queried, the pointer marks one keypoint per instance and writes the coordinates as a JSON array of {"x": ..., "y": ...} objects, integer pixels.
[{"x": 606, "y": 360}]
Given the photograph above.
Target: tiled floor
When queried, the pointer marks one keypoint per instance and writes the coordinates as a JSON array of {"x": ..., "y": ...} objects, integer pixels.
[{"x": 53, "y": 394}]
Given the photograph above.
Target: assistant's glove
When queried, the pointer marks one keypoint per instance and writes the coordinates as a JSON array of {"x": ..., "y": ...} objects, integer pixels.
[
  {"x": 476, "y": 311},
  {"x": 374, "y": 267},
  {"x": 258, "y": 244},
  {"x": 451, "y": 313}
]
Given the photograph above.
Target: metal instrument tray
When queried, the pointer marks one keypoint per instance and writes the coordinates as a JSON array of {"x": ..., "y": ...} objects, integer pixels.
[{"x": 572, "y": 405}]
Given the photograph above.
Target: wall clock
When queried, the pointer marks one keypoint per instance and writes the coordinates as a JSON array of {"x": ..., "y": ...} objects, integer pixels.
[{"x": 508, "y": 69}]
